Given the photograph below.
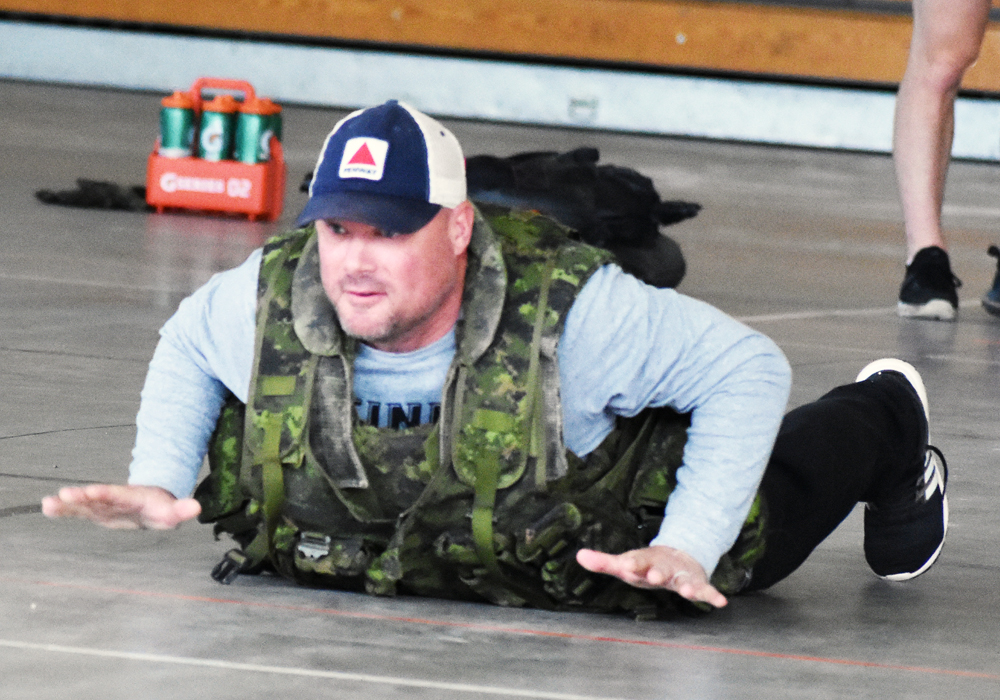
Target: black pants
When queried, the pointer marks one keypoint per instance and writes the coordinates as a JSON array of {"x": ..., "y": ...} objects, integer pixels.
[{"x": 854, "y": 444}]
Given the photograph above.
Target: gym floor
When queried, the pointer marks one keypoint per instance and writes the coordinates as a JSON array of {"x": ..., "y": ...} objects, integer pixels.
[{"x": 806, "y": 246}]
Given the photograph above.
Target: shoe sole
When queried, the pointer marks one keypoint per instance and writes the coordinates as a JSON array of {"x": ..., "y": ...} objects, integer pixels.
[
  {"x": 936, "y": 309},
  {"x": 891, "y": 364}
]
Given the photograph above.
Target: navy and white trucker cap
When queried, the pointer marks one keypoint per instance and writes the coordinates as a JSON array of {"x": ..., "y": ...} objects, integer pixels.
[{"x": 390, "y": 166}]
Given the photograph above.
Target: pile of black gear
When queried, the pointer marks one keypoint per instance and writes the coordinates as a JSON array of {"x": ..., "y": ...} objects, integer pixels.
[
  {"x": 609, "y": 206},
  {"x": 96, "y": 194}
]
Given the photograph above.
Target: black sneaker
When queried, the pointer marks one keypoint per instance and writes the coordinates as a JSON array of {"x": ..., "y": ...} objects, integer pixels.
[
  {"x": 991, "y": 300},
  {"x": 904, "y": 532},
  {"x": 929, "y": 287}
]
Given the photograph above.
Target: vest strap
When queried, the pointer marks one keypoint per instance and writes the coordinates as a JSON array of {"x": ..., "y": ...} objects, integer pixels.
[
  {"x": 535, "y": 418},
  {"x": 487, "y": 478},
  {"x": 274, "y": 483},
  {"x": 236, "y": 561}
]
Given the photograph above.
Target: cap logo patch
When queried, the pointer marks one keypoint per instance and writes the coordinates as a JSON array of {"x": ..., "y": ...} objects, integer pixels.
[{"x": 364, "y": 157}]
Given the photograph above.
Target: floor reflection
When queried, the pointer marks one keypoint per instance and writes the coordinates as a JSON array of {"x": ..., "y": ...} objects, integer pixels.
[{"x": 184, "y": 250}]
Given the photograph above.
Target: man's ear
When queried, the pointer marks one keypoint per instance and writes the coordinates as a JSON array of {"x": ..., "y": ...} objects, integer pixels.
[{"x": 460, "y": 224}]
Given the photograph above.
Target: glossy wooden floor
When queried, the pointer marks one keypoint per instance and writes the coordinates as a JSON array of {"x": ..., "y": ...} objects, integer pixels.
[{"x": 804, "y": 245}]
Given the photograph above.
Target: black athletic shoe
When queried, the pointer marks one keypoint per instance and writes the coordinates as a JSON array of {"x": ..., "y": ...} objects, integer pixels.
[
  {"x": 929, "y": 287},
  {"x": 905, "y": 531},
  {"x": 991, "y": 300}
]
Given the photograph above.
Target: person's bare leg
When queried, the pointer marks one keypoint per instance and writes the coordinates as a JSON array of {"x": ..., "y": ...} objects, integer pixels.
[
  {"x": 946, "y": 39},
  {"x": 947, "y": 35}
]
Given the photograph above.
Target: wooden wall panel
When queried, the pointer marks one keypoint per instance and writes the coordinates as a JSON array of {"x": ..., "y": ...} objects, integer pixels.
[{"x": 715, "y": 36}]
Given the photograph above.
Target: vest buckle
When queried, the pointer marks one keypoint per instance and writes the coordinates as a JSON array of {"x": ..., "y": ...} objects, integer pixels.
[
  {"x": 229, "y": 568},
  {"x": 314, "y": 545}
]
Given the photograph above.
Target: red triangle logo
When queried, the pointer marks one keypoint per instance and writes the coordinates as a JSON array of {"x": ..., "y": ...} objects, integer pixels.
[{"x": 362, "y": 156}]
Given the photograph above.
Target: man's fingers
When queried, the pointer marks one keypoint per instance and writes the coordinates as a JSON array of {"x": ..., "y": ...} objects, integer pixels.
[
  {"x": 591, "y": 560},
  {"x": 121, "y": 507},
  {"x": 657, "y": 578},
  {"x": 166, "y": 516},
  {"x": 655, "y": 567},
  {"x": 71, "y": 495},
  {"x": 186, "y": 508},
  {"x": 77, "y": 503},
  {"x": 52, "y": 506},
  {"x": 631, "y": 567},
  {"x": 619, "y": 565},
  {"x": 686, "y": 585}
]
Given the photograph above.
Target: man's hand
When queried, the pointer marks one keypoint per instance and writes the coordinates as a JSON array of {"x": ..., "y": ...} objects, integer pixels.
[
  {"x": 656, "y": 567},
  {"x": 122, "y": 507}
]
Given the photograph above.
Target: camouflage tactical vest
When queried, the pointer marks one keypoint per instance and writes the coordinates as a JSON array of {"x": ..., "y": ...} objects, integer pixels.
[{"x": 485, "y": 504}]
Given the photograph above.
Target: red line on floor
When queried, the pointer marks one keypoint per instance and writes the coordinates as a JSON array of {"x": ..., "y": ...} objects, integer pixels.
[{"x": 514, "y": 630}]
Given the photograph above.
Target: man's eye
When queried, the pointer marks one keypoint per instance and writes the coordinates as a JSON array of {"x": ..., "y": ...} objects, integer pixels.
[{"x": 336, "y": 228}]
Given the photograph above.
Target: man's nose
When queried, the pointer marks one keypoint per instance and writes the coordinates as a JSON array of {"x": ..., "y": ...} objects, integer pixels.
[{"x": 357, "y": 256}]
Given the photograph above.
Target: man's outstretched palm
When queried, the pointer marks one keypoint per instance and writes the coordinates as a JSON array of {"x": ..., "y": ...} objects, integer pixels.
[
  {"x": 656, "y": 567},
  {"x": 122, "y": 507}
]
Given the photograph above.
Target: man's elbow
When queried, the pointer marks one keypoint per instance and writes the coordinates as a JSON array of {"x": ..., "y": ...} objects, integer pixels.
[{"x": 773, "y": 364}]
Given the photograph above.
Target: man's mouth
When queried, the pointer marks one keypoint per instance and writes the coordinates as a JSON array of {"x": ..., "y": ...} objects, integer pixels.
[{"x": 364, "y": 294}]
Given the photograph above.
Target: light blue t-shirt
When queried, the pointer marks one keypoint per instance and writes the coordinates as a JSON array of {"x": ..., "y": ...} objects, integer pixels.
[
  {"x": 402, "y": 389},
  {"x": 625, "y": 346}
]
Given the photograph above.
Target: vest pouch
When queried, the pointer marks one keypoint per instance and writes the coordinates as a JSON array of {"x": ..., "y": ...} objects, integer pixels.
[
  {"x": 328, "y": 556},
  {"x": 659, "y": 459},
  {"x": 222, "y": 498},
  {"x": 489, "y": 434},
  {"x": 549, "y": 534},
  {"x": 732, "y": 574},
  {"x": 614, "y": 502},
  {"x": 333, "y": 533},
  {"x": 318, "y": 559}
]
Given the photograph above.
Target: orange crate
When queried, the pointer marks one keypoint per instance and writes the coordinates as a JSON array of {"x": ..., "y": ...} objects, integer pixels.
[{"x": 256, "y": 191}]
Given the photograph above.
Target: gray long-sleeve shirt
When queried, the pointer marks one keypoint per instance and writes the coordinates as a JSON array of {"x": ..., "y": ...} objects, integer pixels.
[{"x": 625, "y": 346}]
